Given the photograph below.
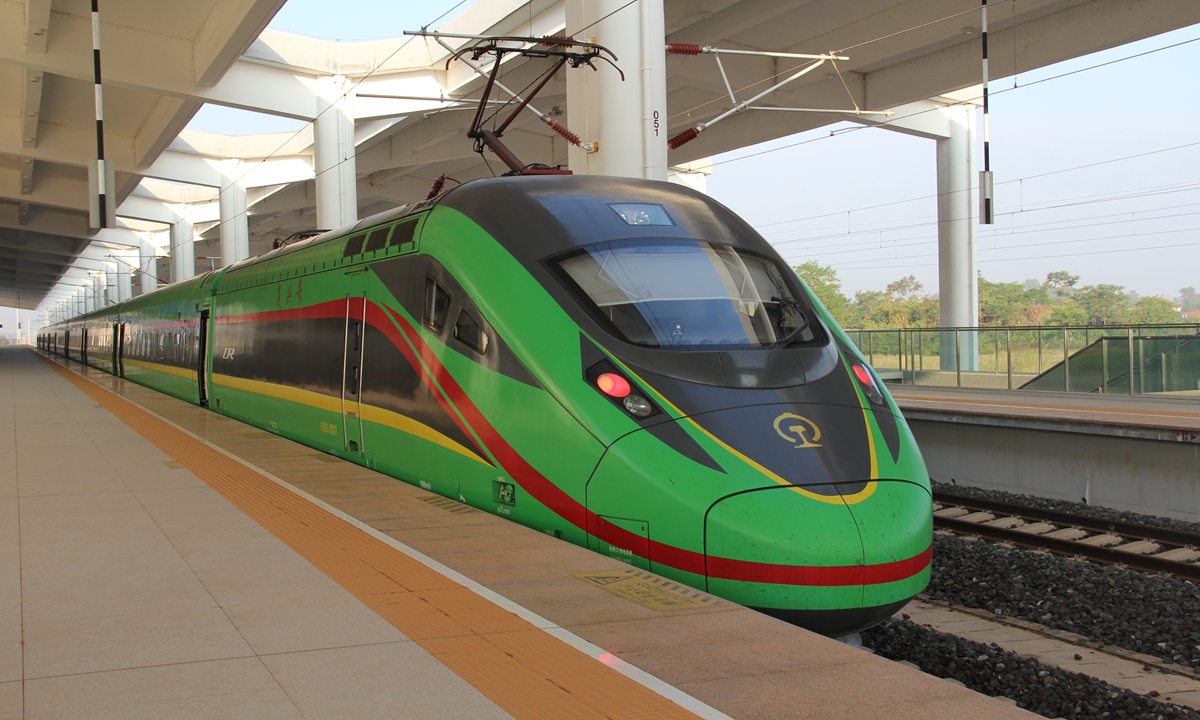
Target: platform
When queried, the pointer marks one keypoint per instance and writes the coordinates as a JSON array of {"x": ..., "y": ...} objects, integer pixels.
[
  {"x": 1148, "y": 416},
  {"x": 1139, "y": 453},
  {"x": 159, "y": 560}
]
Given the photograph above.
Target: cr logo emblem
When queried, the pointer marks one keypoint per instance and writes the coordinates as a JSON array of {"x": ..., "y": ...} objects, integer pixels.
[{"x": 798, "y": 429}]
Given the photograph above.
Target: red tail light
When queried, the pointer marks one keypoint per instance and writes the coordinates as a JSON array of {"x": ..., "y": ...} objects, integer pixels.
[
  {"x": 613, "y": 385},
  {"x": 863, "y": 376},
  {"x": 868, "y": 382}
]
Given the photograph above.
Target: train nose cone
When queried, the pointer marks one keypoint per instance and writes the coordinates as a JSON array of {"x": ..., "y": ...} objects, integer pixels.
[
  {"x": 829, "y": 566},
  {"x": 772, "y": 548}
]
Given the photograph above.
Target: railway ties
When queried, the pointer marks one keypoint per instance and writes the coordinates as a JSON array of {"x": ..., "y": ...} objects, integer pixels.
[{"x": 1140, "y": 547}]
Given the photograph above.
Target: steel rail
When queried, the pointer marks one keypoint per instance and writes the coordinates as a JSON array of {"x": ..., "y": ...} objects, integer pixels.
[
  {"x": 1085, "y": 522},
  {"x": 1073, "y": 548}
]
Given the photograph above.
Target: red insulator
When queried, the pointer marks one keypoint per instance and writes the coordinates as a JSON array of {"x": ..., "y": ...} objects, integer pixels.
[
  {"x": 683, "y": 138},
  {"x": 684, "y": 49},
  {"x": 437, "y": 187},
  {"x": 557, "y": 40},
  {"x": 567, "y": 134}
]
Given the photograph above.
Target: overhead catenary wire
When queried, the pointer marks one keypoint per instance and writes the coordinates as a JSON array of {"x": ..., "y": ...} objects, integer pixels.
[
  {"x": 1020, "y": 259},
  {"x": 884, "y": 37},
  {"x": 844, "y": 49},
  {"x": 383, "y": 138},
  {"x": 1048, "y": 227},
  {"x": 332, "y": 104},
  {"x": 923, "y": 221},
  {"x": 1027, "y": 177},
  {"x": 868, "y": 245},
  {"x": 1039, "y": 81}
]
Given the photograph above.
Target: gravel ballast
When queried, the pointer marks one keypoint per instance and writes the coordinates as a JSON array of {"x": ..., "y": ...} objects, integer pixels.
[
  {"x": 1152, "y": 614},
  {"x": 1048, "y": 691}
]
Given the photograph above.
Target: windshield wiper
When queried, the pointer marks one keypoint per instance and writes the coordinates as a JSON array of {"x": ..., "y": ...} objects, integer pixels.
[{"x": 798, "y": 310}]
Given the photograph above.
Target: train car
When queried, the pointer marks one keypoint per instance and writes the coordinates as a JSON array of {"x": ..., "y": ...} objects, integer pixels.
[{"x": 623, "y": 364}]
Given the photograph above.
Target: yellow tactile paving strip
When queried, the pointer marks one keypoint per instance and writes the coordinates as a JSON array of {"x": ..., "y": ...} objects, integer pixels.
[{"x": 521, "y": 668}]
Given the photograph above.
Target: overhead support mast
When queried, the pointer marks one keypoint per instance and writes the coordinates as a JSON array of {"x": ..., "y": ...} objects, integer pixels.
[
  {"x": 102, "y": 208},
  {"x": 626, "y": 117},
  {"x": 987, "y": 208}
]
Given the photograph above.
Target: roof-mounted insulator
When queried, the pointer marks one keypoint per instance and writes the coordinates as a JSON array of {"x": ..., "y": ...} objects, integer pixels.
[
  {"x": 684, "y": 49},
  {"x": 683, "y": 138},
  {"x": 437, "y": 187}
]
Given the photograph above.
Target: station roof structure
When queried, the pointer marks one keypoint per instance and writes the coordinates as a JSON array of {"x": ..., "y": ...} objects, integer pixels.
[{"x": 163, "y": 61}]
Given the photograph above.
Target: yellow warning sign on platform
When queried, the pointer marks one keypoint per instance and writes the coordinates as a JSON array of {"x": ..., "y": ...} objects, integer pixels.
[{"x": 648, "y": 590}]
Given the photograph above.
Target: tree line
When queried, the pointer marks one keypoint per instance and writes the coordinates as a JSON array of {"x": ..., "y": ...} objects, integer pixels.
[{"x": 1056, "y": 301}]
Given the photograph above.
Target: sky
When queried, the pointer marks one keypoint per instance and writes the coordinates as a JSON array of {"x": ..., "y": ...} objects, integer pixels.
[{"x": 1069, "y": 194}]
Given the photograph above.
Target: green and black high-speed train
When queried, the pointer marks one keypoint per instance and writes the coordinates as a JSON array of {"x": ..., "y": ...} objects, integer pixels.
[{"x": 624, "y": 364}]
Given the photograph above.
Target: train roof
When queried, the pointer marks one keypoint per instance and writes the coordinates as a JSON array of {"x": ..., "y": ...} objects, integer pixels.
[
  {"x": 536, "y": 217},
  {"x": 541, "y": 216}
]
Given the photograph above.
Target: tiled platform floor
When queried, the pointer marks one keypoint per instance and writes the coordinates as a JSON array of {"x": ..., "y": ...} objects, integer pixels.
[{"x": 132, "y": 589}]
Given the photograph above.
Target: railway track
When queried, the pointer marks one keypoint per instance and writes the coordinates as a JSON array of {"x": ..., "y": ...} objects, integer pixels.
[{"x": 1141, "y": 547}]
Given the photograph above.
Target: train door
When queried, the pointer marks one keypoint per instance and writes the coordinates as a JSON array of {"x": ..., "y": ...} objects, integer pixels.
[
  {"x": 83, "y": 346},
  {"x": 202, "y": 353},
  {"x": 119, "y": 348},
  {"x": 116, "y": 348},
  {"x": 355, "y": 334}
]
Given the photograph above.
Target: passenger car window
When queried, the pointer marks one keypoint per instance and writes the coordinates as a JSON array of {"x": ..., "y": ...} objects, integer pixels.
[
  {"x": 437, "y": 304},
  {"x": 468, "y": 332},
  {"x": 354, "y": 246},
  {"x": 377, "y": 240},
  {"x": 403, "y": 234}
]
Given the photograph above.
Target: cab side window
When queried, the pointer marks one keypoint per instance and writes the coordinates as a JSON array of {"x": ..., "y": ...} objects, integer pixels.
[
  {"x": 437, "y": 305},
  {"x": 468, "y": 332}
]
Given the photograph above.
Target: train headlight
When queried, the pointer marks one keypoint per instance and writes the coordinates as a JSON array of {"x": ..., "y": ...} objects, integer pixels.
[
  {"x": 638, "y": 405},
  {"x": 613, "y": 385},
  {"x": 868, "y": 382}
]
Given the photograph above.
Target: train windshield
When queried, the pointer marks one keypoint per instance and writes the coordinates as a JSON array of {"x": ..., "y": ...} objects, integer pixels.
[{"x": 688, "y": 294}]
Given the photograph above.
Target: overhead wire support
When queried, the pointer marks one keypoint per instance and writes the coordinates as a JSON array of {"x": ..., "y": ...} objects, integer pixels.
[
  {"x": 987, "y": 210},
  {"x": 817, "y": 61},
  {"x": 549, "y": 41}
]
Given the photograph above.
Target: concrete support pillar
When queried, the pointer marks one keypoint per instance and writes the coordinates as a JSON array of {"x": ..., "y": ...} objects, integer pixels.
[
  {"x": 958, "y": 286},
  {"x": 124, "y": 281},
  {"x": 147, "y": 268},
  {"x": 111, "y": 296},
  {"x": 182, "y": 251},
  {"x": 89, "y": 295},
  {"x": 628, "y": 119},
  {"x": 333, "y": 155},
  {"x": 235, "y": 225}
]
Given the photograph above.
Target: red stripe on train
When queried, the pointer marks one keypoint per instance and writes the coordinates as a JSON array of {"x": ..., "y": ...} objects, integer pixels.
[
  {"x": 454, "y": 400},
  {"x": 562, "y": 504}
]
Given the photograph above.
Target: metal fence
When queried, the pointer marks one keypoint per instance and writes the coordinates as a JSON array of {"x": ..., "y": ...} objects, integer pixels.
[{"x": 1106, "y": 358}]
